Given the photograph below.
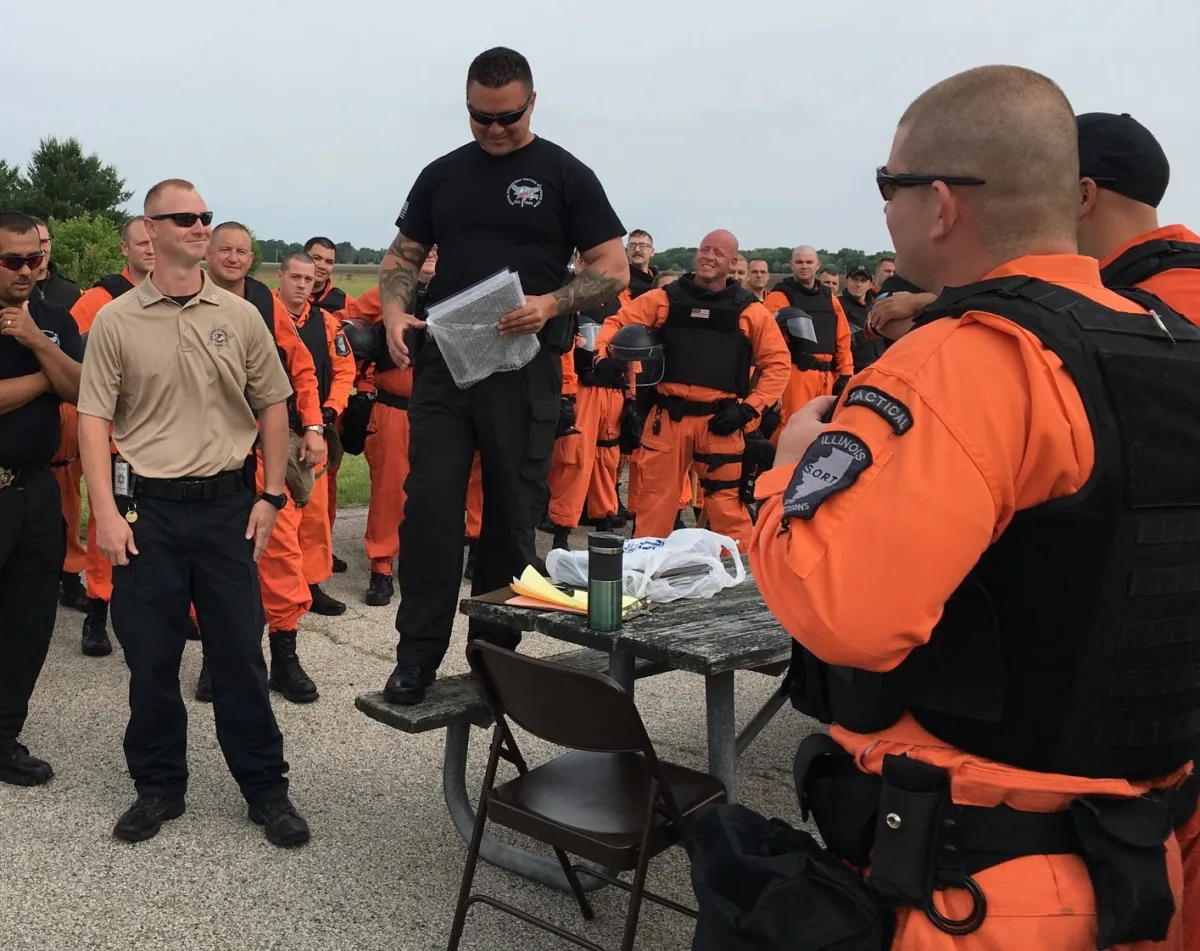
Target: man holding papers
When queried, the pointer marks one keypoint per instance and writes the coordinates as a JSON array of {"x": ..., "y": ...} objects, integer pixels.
[{"x": 505, "y": 201}]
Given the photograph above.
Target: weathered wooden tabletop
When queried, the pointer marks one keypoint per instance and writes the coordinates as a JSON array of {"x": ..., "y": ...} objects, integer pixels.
[{"x": 732, "y": 630}]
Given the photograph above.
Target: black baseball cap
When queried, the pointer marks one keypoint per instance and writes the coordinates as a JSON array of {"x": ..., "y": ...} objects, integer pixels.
[
  {"x": 859, "y": 270},
  {"x": 1120, "y": 154}
]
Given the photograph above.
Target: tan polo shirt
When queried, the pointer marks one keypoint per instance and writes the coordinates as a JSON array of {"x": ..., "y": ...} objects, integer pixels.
[{"x": 175, "y": 380}]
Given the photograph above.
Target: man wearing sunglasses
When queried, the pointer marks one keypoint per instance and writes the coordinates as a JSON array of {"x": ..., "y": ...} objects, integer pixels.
[
  {"x": 1124, "y": 175},
  {"x": 1026, "y": 466},
  {"x": 39, "y": 368},
  {"x": 507, "y": 199},
  {"x": 179, "y": 368}
]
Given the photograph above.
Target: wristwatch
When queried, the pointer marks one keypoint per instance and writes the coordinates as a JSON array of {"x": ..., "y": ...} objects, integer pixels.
[
  {"x": 318, "y": 429},
  {"x": 279, "y": 501}
]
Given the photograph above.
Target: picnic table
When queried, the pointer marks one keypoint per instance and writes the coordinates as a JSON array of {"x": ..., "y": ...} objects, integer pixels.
[{"x": 713, "y": 637}]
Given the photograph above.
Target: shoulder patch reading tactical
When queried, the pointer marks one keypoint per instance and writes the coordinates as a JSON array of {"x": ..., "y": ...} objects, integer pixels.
[
  {"x": 341, "y": 345},
  {"x": 832, "y": 463},
  {"x": 897, "y": 415}
]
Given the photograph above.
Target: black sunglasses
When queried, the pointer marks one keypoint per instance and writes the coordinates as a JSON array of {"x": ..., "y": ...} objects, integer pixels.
[
  {"x": 14, "y": 262},
  {"x": 888, "y": 183},
  {"x": 185, "y": 219},
  {"x": 502, "y": 118}
]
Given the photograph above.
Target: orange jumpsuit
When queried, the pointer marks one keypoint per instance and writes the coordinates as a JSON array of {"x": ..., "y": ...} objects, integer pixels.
[
  {"x": 316, "y": 530},
  {"x": 68, "y": 471},
  {"x": 386, "y": 448},
  {"x": 670, "y": 447},
  {"x": 97, "y": 567},
  {"x": 475, "y": 499},
  {"x": 332, "y": 471},
  {"x": 804, "y": 385},
  {"x": 933, "y": 500},
  {"x": 285, "y": 594}
]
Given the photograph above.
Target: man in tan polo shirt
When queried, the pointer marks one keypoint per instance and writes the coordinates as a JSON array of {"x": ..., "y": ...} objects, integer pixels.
[{"x": 180, "y": 367}]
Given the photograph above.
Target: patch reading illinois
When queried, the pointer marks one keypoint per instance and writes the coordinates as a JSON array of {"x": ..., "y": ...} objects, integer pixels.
[
  {"x": 341, "y": 346},
  {"x": 895, "y": 413},
  {"x": 832, "y": 463}
]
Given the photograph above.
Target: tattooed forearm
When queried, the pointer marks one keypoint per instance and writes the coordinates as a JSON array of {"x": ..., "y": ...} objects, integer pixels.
[
  {"x": 589, "y": 289},
  {"x": 399, "y": 271}
]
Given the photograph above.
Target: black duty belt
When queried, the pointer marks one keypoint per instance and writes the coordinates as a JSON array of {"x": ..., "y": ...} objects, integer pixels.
[
  {"x": 390, "y": 399},
  {"x": 16, "y": 476},
  {"x": 608, "y": 443},
  {"x": 63, "y": 463},
  {"x": 207, "y": 489},
  {"x": 808, "y": 362},
  {"x": 589, "y": 378},
  {"x": 677, "y": 407}
]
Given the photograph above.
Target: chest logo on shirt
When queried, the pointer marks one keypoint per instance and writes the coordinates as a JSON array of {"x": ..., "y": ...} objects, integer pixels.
[
  {"x": 218, "y": 338},
  {"x": 53, "y": 338},
  {"x": 525, "y": 193},
  {"x": 831, "y": 464}
]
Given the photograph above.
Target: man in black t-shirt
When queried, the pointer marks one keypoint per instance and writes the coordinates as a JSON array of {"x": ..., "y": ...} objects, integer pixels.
[
  {"x": 506, "y": 199},
  {"x": 40, "y": 354}
]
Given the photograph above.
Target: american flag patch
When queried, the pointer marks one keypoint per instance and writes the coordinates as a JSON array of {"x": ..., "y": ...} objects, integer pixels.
[{"x": 700, "y": 313}]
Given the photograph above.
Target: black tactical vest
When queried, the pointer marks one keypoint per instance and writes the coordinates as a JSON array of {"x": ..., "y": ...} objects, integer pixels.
[
  {"x": 315, "y": 338},
  {"x": 1073, "y": 646},
  {"x": 863, "y": 350},
  {"x": 334, "y": 301},
  {"x": 817, "y": 302},
  {"x": 640, "y": 281},
  {"x": 703, "y": 342},
  {"x": 258, "y": 294},
  {"x": 1144, "y": 261},
  {"x": 114, "y": 285},
  {"x": 584, "y": 358}
]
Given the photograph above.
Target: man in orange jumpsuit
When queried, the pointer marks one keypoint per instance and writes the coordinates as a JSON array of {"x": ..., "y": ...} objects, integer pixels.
[
  {"x": 815, "y": 368},
  {"x": 1124, "y": 177},
  {"x": 321, "y": 333},
  {"x": 285, "y": 594},
  {"x": 329, "y": 298},
  {"x": 713, "y": 330},
  {"x": 1024, "y": 466},
  {"x": 139, "y": 262}
]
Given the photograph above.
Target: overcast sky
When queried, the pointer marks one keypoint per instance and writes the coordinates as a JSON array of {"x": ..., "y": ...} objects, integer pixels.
[{"x": 314, "y": 116}]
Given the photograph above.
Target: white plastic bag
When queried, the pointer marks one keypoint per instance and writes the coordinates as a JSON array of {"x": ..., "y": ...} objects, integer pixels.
[{"x": 685, "y": 564}]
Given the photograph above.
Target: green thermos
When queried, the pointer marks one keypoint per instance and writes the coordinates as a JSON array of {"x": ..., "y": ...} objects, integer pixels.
[{"x": 605, "y": 560}]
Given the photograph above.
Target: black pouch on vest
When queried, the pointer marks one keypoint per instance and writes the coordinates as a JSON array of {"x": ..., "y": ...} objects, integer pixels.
[
  {"x": 761, "y": 884},
  {"x": 355, "y": 421},
  {"x": 911, "y": 801},
  {"x": 558, "y": 335},
  {"x": 632, "y": 425},
  {"x": 1123, "y": 843},
  {"x": 842, "y": 799}
]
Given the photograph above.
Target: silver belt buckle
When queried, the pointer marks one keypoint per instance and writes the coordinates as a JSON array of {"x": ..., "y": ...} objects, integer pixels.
[{"x": 7, "y": 477}]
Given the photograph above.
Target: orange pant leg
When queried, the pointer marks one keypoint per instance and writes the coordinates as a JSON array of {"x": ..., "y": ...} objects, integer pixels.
[
  {"x": 664, "y": 457},
  {"x": 475, "y": 500},
  {"x": 97, "y": 567},
  {"x": 727, "y": 513},
  {"x": 804, "y": 385},
  {"x": 574, "y": 456},
  {"x": 316, "y": 536},
  {"x": 602, "y": 492},
  {"x": 635, "y": 482},
  {"x": 68, "y": 471},
  {"x": 285, "y": 593},
  {"x": 386, "y": 449}
]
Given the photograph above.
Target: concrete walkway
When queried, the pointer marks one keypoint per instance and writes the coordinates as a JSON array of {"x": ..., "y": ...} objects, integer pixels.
[{"x": 383, "y": 869}]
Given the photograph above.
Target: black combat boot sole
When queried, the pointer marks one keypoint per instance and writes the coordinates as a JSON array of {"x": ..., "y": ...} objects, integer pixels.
[
  {"x": 96, "y": 648},
  {"x": 378, "y": 599},
  {"x": 28, "y": 780},
  {"x": 283, "y": 841},
  {"x": 292, "y": 696},
  {"x": 178, "y": 808}
]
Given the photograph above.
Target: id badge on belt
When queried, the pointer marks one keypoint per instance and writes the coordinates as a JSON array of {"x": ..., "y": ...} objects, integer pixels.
[{"x": 121, "y": 479}]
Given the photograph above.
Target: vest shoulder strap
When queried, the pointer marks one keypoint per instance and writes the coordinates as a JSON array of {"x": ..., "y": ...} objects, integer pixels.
[
  {"x": 1144, "y": 261},
  {"x": 260, "y": 296},
  {"x": 115, "y": 285}
]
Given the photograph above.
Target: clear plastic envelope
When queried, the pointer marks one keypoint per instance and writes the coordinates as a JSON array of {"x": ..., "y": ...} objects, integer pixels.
[{"x": 464, "y": 327}]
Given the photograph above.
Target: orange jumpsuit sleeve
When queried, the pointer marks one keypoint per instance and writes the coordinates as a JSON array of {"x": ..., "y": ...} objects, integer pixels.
[
  {"x": 366, "y": 307},
  {"x": 570, "y": 385},
  {"x": 649, "y": 310},
  {"x": 88, "y": 306},
  {"x": 915, "y": 498},
  {"x": 775, "y": 300},
  {"x": 301, "y": 369},
  {"x": 773, "y": 362},
  {"x": 843, "y": 359},
  {"x": 344, "y": 369}
]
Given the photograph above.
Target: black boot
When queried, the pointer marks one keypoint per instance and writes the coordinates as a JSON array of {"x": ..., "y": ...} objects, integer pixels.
[
  {"x": 72, "y": 593},
  {"x": 95, "y": 642},
  {"x": 380, "y": 590},
  {"x": 407, "y": 684},
  {"x": 281, "y": 822},
  {"x": 324, "y": 604},
  {"x": 287, "y": 676},
  {"x": 562, "y": 537},
  {"x": 338, "y": 565},
  {"x": 472, "y": 555},
  {"x": 144, "y": 818},
  {"x": 18, "y": 768},
  {"x": 204, "y": 684}
]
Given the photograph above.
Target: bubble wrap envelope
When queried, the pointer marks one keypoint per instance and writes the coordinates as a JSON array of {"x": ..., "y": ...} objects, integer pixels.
[{"x": 464, "y": 327}]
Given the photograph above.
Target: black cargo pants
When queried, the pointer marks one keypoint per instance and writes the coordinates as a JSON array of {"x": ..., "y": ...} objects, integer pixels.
[
  {"x": 33, "y": 540},
  {"x": 511, "y": 419},
  {"x": 196, "y": 552}
]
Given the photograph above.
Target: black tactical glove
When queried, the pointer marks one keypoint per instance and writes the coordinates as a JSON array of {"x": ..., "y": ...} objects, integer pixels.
[
  {"x": 611, "y": 372},
  {"x": 840, "y": 384},
  {"x": 731, "y": 417},
  {"x": 566, "y": 417},
  {"x": 771, "y": 421},
  {"x": 328, "y": 415}
]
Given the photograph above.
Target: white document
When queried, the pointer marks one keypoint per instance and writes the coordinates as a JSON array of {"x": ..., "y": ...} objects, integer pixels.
[{"x": 465, "y": 329}]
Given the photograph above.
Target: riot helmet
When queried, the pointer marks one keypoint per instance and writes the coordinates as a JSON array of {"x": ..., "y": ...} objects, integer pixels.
[
  {"x": 642, "y": 350},
  {"x": 366, "y": 339}
]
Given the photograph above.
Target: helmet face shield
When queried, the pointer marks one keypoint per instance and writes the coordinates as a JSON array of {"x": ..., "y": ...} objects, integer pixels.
[
  {"x": 642, "y": 351},
  {"x": 797, "y": 325}
]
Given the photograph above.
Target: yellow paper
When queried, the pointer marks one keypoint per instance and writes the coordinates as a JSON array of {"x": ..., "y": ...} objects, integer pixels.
[{"x": 532, "y": 585}]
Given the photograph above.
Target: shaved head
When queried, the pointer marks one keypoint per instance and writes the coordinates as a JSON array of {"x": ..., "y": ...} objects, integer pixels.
[
  {"x": 715, "y": 259},
  {"x": 1011, "y": 127},
  {"x": 724, "y": 239}
]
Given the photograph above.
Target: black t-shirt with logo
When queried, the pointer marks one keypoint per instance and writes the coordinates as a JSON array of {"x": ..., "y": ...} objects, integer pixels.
[
  {"x": 29, "y": 435},
  {"x": 528, "y": 210}
]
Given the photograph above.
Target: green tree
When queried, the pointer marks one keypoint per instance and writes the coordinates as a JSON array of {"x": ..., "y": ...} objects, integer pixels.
[
  {"x": 61, "y": 182},
  {"x": 86, "y": 248},
  {"x": 11, "y": 186}
]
